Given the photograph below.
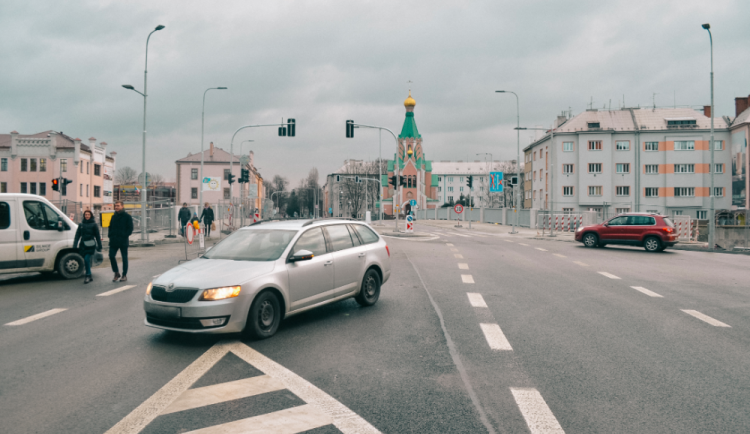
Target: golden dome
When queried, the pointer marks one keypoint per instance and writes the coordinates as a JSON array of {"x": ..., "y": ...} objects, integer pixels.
[{"x": 409, "y": 102}]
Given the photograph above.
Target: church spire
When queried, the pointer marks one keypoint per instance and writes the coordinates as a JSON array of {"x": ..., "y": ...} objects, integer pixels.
[{"x": 409, "y": 130}]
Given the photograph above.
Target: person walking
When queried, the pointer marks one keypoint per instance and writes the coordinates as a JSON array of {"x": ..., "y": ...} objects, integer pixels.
[
  {"x": 208, "y": 218},
  {"x": 183, "y": 217},
  {"x": 90, "y": 241},
  {"x": 120, "y": 228}
]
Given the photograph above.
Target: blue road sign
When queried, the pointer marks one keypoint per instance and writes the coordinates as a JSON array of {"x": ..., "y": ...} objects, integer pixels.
[
  {"x": 413, "y": 202},
  {"x": 496, "y": 182}
]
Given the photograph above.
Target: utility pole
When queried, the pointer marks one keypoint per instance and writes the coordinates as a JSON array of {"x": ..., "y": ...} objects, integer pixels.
[{"x": 712, "y": 169}]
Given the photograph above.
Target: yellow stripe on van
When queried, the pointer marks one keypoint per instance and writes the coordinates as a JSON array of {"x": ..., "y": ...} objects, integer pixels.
[{"x": 28, "y": 249}]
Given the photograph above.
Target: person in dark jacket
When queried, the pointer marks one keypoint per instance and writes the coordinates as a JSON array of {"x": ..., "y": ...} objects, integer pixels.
[
  {"x": 183, "y": 217},
  {"x": 120, "y": 228},
  {"x": 88, "y": 235},
  {"x": 208, "y": 218}
]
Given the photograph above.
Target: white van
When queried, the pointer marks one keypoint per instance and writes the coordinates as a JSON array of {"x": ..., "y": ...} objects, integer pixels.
[{"x": 36, "y": 236}]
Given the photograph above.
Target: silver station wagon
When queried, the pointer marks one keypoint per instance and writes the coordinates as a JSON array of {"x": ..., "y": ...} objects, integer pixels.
[{"x": 265, "y": 272}]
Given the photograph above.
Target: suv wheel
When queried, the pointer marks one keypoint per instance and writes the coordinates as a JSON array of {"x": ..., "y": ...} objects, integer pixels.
[
  {"x": 652, "y": 244},
  {"x": 264, "y": 317},
  {"x": 70, "y": 266},
  {"x": 590, "y": 240},
  {"x": 370, "y": 291}
]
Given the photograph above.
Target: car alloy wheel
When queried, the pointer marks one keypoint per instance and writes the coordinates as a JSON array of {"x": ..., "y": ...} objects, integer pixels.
[
  {"x": 589, "y": 240},
  {"x": 652, "y": 244}
]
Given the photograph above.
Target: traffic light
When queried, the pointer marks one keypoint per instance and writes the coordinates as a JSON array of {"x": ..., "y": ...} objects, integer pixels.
[
  {"x": 64, "y": 183},
  {"x": 282, "y": 131},
  {"x": 469, "y": 181},
  {"x": 291, "y": 127},
  {"x": 402, "y": 181},
  {"x": 393, "y": 180},
  {"x": 349, "y": 128},
  {"x": 56, "y": 184},
  {"x": 230, "y": 178},
  {"x": 244, "y": 176},
  {"x": 356, "y": 179}
]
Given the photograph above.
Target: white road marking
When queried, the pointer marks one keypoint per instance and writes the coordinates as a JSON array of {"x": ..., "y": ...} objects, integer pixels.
[
  {"x": 538, "y": 416},
  {"x": 453, "y": 249},
  {"x": 476, "y": 299},
  {"x": 646, "y": 291},
  {"x": 463, "y": 266},
  {"x": 524, "y": 244},
  {"x": 202, "y": 396},
  {"x": 559, "y": 255},
  {"x": 495, "y": 337},
  {"x": 466, "y": 278},
  {"x": 458, "y": 255},
  {"x": 115, "y": 291},
  {"x": 449, "y": 244},
  {"x": 480, "y": 236},
  {"x": 539, "y": 248},
  {"x": 605, "y": 274},
  {"x": 460, "y": 235},
  {"x": 31, "y": 318},
  {"x": 288, "y": 421},
  {"x": 508, "y": 241},
  {"x": 581, "y": 263},
  {"x": 706, "y": 318}
]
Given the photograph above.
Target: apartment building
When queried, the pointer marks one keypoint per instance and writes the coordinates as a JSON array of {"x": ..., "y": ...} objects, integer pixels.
[
  {"x": 740, "y": 131},
  {"x": 452, "y": 179},
  {"x": 639, "y": 159}
]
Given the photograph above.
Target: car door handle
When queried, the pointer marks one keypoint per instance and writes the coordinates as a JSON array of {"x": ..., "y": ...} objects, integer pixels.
[
  {"x": 26, "y": 235},
  {"x": 328, "y": 263}
]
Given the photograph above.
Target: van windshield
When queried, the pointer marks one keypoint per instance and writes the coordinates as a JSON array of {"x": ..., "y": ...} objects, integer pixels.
[{"x": 252, "y": 245}]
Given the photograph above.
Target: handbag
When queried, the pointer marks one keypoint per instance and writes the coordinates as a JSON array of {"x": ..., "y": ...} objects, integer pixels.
[
  {"x": 97, "y": 259},
  {"x": 213, "y": 226},
  {"x": 89, "y": 243}
]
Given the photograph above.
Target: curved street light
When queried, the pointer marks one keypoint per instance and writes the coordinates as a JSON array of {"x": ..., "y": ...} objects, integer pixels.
[{"x": 203, "y": 116}]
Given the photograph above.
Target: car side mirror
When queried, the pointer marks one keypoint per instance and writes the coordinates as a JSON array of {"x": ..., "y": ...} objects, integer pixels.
[
  {"x": 60, "y": 226},
  {"x": 301, "y": 255}
]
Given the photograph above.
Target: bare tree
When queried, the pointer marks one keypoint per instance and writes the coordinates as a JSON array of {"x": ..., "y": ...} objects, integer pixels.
[
  {"x": 360, "y": 196},
  {"x": 155, "y": 180},
  {"x": 126, "y": 175},
  {"x": 278, "y": 184}
]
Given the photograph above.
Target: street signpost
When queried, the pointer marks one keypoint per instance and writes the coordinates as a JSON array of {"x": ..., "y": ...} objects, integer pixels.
[
  {"x": 458, "y": 209},
  {"x": 409, "y": 223},
  {"x": 496, "y": 182},
  {"x": 413, "y": 203}
]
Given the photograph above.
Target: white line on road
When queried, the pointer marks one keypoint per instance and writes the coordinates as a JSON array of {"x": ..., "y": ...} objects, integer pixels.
[
  {"x": 706, "y": 318},
  {"x": 559, "y": 255},
  {"x": 453, "y": 249},
  {"x": 459, "y": 256},
  {"x": 463, "y": 266},
  {"x": 480, "y": 236},
  {"x": 476, "y": 299},
  {"x": 35, "y": 317},
  {"x": 449, "y": 244},
  {"x": 605, "y": 274},
  {"x": 581, "y": 263},
  {"x": 508, "y": 241},
  {"x": 466, "y": 278},
  {"x": 290, "y": 420},
  {"x": 524, "y": 244},
  {"x": 223, "y": 392},
  {"x": 115, "y": 291},
  {"x": 538, "y": 416},
  {"x": 495, "y": 337},
  {"x": 461, "y": 235},
  {"x": 539, "y": 248},
  {"x": 646, "y": 291}
]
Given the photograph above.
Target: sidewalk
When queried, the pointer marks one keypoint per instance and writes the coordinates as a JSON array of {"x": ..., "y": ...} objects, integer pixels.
[{"x": 158, "y": 238}]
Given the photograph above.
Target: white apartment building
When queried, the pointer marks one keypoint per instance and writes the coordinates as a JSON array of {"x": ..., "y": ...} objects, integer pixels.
[
  {"x": 452, "y": 179},
  {"x": 639, "y": 159}
]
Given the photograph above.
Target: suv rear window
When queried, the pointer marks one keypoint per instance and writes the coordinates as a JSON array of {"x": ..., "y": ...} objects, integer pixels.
[{"x": 668, "y": 222}]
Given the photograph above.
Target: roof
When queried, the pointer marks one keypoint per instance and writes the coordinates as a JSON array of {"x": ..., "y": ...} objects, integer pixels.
[
  {"x": 645, "y": 119},
  {"x": 743, "y": 117},
  {"x": 409, "y": 130},
  {"x": 66, "y": 142},
  {"x": 469, "y": 167},
  {"x": 220, "y": 156}
]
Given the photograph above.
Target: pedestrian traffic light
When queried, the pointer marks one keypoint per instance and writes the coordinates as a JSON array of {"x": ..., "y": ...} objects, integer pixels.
[
  {"x": 230, "y": 178},
  {"x": 291, "y": 127},
  {"x": 349, "y": 128},
  {"x": 56, "y": 184},
  {"x": 469, "y": 181},
  {"x": 244, "y": 176}
]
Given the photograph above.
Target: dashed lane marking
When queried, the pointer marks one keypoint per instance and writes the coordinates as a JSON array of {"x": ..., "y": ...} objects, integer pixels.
[
  {"x": 463, "y": 266},
  {"x": 495, "y": 337},
  {"x": 559, "y": 255},
  {"x": 453, "y": 249},
  {"x": 538, "y": 416},
  {"x": 480, "y": 236},
  {"x": 646, "y": 291},
  {"x": 458, "y": 256},
  {"x": 706, "y": 318},
  {"x": 115, "y": 291},
  {"x": 460, "y": 235},
  {"x": 476, "y": 299},
  {"x": 508, "y": 241},
  {"x": 539, "y": 248},
  {"x": 449, "y": 244},
  {"x": 466, "y": 278},
  {"x": 32, "y": 318},
  {"x": 524, "y": 244},
  {"x": 581, "y": 263},
  {"x": 611, "y": 276}
]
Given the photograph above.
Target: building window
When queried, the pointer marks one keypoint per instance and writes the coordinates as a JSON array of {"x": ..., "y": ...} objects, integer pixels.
[
  {"x": 568, "y": 168},
  {"x": 594, "y": 125},
  {"x": 3, "y": 187},
  {"x": 461, "y": 179},
  {"x": 194, "y": 193},
  {"x": 80, "y": 190},
  {"x": 718, "y": 145},
  {"x": 567, "y": 146},
  {"x": 595, "y": 167},
  {"x": 450, "y": 199},
  {"x": 568, "y": 191},
  {"x": 684, "y": 168},
  {"x": 32, "y": 187},
  {"x": 226, "y": 174},
  {"x": 595, "y": 145},
  {"x": 32, "y": 164},
  {"x": 702, "y": 215},
  {"x": 719, "y": 168},
  {"x": 652, "y": 169},
  {"x": 623, "y": 167},
  {"x": 97, "y": 170},
  {"x": 595, "y": 190},
  {"x": 622, "y": 145},
  {"x": 4, "y": 165},
  {"x": 97, "y": 191},
  {"x": 623, "y": 190},
  {"x": 440, "y": 188},
  {"x": 567, "y": 210},
  {"x": 684, "y": 192},
  {"x": 677, "y": 122},
  {"x": 42, "y": 189},
  {"x": 622, "y": 210},
  {"x": 450, "y": 179},
  {"x": 719, "y": 191},
  {"x": 684, "y": 145},
  {"x": 652, "y": 146},
  {"x": 63, "y": 165},
  {"x": 24, "y": 165},
  {"x": 226, "y": 193},
  {"x": 24, "y": 188},
  {"x": 460, "y": 189},
  {"x": 440, "y": 178},
  {"x": 676, "y": 212},
  {"x": 652, "y": 192},
  {"x": 42, "y": 164},
  {"x": 450, "y": 188},
  {"x": 193, "y": 173},
  {"x": 87, "y": 168}
]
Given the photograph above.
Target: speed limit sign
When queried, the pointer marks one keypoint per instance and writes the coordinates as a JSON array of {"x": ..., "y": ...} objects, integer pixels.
[{"x": 458, "y": 208}]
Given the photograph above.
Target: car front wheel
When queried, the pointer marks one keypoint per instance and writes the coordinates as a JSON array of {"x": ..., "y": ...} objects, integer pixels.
[
  {"x": 652, "y": 244},
  {"x": 70, "y": 266},
  {"x": 370, "y": 291},
  {"x": 590, "y": 240},
  {"x": 264, "y": 317}
]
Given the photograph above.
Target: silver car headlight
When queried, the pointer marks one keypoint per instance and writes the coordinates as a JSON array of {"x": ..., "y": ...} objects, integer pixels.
[{"x": 220, "y": 293}]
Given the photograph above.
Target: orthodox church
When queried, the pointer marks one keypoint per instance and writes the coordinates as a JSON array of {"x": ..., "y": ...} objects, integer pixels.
[{"x": 419, "y": 185}]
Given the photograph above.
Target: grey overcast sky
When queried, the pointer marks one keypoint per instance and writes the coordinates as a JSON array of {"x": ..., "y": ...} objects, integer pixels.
[{"x": 323, "y": 62}]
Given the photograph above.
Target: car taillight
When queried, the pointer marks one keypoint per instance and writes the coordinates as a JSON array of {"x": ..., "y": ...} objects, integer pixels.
[
  {"x": 388, "y": 250},
  {"x": 667, "y": 229}
]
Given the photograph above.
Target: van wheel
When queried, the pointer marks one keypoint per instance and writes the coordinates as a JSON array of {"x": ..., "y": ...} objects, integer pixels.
[
  {"x": 264, "y": 317},
  {"x": 590, "y": 240},
  {"x": 370, "y": 290},
  {"x": 70, "y": 266},
  {"x": 652, "y": 244}
]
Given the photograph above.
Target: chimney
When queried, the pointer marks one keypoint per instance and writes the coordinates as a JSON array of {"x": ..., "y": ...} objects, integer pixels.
[
  {"x": 741, "y": 104},
  {"x": 560, "y": 120},
  {"x": 211, "y": 150},
  {"x": 707, "y": 111}
]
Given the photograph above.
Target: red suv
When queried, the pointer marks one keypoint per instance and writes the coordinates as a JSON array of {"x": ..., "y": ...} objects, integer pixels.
[{"x": 652, "y": 231}]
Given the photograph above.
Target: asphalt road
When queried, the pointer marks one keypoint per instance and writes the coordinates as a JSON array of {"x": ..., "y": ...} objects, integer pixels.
[{"x": 528, "y": 336}]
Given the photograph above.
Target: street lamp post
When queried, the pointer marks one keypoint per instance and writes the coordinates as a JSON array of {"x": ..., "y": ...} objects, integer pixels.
[
  {"x": 203, "y": 116},
  {"x": 518, "y": 161},
  {"x": 395, "y": 168},
  {"x": 144, "y": 191},
  {"x": 711, "y": 212}
]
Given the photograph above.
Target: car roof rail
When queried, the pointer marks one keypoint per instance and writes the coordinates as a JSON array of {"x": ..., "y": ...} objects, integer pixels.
[{"x": 311, "y": 221}]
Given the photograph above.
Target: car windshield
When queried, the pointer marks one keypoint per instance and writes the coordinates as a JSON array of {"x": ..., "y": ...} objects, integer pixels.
[
  {"x": 252, "y": 245},
  {"x": 668, "y": 221}
]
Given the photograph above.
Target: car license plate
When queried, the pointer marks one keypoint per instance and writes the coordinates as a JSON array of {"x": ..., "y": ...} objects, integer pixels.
[{"x": 164, "y": 311}]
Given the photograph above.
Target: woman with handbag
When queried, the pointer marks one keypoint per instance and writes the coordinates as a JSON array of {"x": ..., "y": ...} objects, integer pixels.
[
  {"x": 208, "y": 219},
  {"x": 91, "y": 242}
]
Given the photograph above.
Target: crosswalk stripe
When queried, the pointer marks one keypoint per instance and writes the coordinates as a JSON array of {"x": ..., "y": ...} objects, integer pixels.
[
  {"x": 202, "y": 396},
  {"x": 289, "y": 421},
  {"x": 706, "y": 318},
  {"x": 646, "y": 291},
  {"x": 495, "y": 337},
  {"x": 458, "y": 255},
  {"x": 535, "y": 411},
  {"x": 476, "y": 299},
  {"x": 480, "y": 236},
  {"x": 466, "y": 278},
  {"x": 115, "y": 291},
  {"x": 31, "y": 318},
  {"x": 463, "y": 266},
  {"x": 508, "y": 241},
  {"x": 453, "y": 249}
]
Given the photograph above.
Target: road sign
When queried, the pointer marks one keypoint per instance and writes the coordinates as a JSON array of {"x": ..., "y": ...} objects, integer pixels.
[
  {"x": 413, "y": 202},
  {"x": 330, "y": 210},
  {"x": 244, "y": 160},
  {"x": 496, "y": 182},
  {"x": 458, "y": 208},
  {"x": 252, "y": 191},
  {"x": 409, "y": 223}
]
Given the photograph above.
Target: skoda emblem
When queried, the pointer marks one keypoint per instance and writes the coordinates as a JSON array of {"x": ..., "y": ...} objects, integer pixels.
[{"x": 170, "y": 287}]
